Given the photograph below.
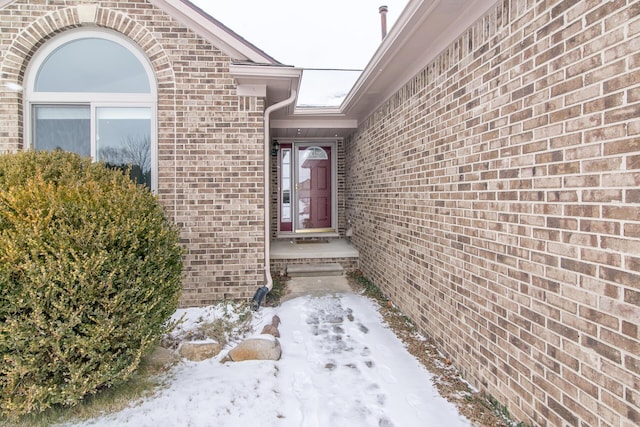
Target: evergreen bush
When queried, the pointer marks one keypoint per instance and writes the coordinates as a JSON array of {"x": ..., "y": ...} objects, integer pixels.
[{"x": 90, "y": 272}]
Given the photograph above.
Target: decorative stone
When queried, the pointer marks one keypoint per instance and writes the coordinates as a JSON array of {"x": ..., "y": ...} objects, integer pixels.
[
  {"x": 87, "y": 13},
  {"x": 275, "y": 321},
  {"x": 271, "y": 330},
  {"x": 262, "y": 347},
  {"x": 199, "y": 350},
  {"x": 161, "y": 357}
]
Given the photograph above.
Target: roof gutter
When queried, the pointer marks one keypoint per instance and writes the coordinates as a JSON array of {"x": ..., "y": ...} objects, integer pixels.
[{"x": 264, "y": 290}]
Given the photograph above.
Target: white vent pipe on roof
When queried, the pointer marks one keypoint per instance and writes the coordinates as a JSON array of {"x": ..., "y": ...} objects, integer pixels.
[{"x": 383, "y": 20}]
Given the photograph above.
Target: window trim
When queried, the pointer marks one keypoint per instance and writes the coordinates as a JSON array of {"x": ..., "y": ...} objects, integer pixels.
[{"x": 92, "y": 99}]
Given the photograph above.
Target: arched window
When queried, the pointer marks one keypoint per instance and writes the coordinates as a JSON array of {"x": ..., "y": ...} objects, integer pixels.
[{"x": 93, "y": 92}]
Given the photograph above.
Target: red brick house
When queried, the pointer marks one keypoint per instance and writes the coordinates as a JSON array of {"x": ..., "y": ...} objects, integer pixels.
[{"x": 485, "y": 167}]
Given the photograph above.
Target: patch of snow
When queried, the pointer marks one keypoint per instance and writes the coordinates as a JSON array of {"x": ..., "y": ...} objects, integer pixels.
[
  {"x": 203, "y": 341},
  {"x": 266, "y": 337},
  {"x": 340, "y": 366}
]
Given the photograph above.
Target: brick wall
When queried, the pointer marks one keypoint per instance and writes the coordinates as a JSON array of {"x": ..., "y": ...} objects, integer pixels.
[
  {"x": 209, "y": 140},
  {"x": 495, "y": 198}
]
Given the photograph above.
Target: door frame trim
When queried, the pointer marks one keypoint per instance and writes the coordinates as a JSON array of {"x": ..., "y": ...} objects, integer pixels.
[{"x": 308, "y": 142}]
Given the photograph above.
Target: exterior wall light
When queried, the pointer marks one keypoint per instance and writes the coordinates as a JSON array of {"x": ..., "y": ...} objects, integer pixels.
[{"x": 274, "y": 148}]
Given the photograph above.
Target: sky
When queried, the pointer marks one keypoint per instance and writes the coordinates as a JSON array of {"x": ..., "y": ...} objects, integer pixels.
[
  {"x": 340, "y": 366},
  {"x": 328, "y": 35},
  {"x": 308, "y": 33}
]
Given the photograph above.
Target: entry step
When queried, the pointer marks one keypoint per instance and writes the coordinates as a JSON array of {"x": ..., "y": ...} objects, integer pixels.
[{"x": 312, "y": 270}]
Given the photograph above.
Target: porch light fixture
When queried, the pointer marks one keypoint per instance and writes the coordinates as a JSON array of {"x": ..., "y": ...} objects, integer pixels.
[{"x": 274, "y": 148}]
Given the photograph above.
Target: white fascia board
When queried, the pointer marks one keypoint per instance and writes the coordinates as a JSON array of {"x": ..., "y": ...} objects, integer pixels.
[
  {"x": 278, "y": 82},
  {"x": 263, "y": 71},
  {"x": 213, "y": 31},
  {"x": 3, "y": 3},
  {"x": 327, "y": 123},
  {"x": 313, "y": 111},
  {"x": 275, "y": 77}
]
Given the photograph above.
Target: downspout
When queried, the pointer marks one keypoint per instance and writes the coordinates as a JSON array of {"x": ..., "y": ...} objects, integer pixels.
[{"x": 264, "y": 290}]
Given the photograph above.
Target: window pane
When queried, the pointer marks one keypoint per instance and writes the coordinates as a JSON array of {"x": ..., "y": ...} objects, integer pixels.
[
  {"x": 65, "y": 128},
  {"x": 285, "y": 209},
  {"x": 92, "y": 65},
  {"x": 123, "y": 139}
]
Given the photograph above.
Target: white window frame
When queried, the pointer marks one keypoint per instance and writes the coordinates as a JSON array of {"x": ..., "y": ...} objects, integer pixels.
[{"x": 92, "y": 99}]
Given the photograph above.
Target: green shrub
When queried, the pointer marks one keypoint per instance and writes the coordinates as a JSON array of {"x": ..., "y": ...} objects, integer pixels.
[{"x": 90, "y": 272}]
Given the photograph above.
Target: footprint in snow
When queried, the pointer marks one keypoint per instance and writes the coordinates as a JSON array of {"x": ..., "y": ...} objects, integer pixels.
[
  {"x": 330, "y": 365},
  {"x": 308, "y": 398},
  {"x": 385, "y": 373},
  {"x": 414, "y": 401},
  {"x": 298, "y": 337}
]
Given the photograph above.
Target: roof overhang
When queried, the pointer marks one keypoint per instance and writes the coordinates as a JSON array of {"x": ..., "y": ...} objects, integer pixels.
[
  {"x": 313, "y": 126},
  {"x": 274, "y": 83},
  {"x": 424, "y": 29}
]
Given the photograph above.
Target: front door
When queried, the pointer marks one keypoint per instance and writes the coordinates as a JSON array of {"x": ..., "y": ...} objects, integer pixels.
[{"x": 306, "y": 187}]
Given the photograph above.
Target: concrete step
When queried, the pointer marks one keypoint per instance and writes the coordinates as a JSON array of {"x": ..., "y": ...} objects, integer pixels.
[{"x": 314, "y": 270}]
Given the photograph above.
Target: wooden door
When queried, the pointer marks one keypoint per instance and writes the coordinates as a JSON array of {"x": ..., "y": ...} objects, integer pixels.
[{"x": 313, "y": 188}]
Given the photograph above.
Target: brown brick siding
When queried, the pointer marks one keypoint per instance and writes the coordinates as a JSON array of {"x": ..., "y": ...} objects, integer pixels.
[
  {"x": 209, "y": 139},
  {"x": 495, "y": 199}
]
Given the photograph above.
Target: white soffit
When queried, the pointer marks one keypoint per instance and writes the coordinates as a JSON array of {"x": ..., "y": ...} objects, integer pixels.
[
  {"x": 319, "y": 123},
  {"x": 277, "y": 81}
]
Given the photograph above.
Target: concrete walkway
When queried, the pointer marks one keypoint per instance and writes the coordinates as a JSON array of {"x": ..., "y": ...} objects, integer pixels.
[{"x": 316, "y": 286}]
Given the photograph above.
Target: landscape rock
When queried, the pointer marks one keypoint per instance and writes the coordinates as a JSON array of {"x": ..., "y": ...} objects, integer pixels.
[
  {"x": 271, "y": 330},
  {"x": 199, "y": 350},
  {"x": 161, "y": 357},
  {"x": 275, "y": 321},
  {"x": 262, "y": 347}
]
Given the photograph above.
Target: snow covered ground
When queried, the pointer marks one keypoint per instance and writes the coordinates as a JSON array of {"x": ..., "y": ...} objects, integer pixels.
[{"x": 340, "y": 366}]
